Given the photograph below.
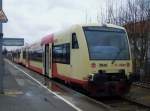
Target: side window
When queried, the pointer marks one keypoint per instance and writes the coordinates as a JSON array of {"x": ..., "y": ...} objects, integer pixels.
[
  {"x": 61, "y": 53},
  {"x": 74, "y": 41},
  {"x": 18, "y": 54},
  {"x": 36, "y": 55},
  {"x": 24, "y": 54}
]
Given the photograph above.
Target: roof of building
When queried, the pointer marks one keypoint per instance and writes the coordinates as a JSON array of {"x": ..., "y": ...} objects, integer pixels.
[{"x": 138, "y": 27}]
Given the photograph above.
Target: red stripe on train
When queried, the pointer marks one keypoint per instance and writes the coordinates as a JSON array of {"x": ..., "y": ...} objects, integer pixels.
[
  {"x": 65, "y": 78},
  {"x": 39, "y": 70},
  {"x": 54, "y": 70}
]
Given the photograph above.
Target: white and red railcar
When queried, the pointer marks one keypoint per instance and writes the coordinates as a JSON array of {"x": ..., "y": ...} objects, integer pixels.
[{"x": 96, "y": 57}]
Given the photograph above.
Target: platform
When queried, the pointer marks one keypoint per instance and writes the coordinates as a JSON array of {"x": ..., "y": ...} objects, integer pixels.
[
  {"x": 25, "y": 90},
  {"x": 23, "y": 94}
]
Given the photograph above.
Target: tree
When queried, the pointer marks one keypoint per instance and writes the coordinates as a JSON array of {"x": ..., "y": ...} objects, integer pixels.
[{"x": 134, "y": 15}]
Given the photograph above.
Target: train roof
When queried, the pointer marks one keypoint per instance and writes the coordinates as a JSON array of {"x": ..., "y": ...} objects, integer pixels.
[
  {"x": 101, "y": 25},
  {"x": 47, "y": 39},
  {"x": 35, "y": 45},
  {"x": 50, "y": 38}
]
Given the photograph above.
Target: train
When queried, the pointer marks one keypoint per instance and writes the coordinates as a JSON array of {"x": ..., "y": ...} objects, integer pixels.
[{"x": 94, "y": 57}]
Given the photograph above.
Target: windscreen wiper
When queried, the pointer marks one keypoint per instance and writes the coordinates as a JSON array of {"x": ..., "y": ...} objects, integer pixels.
[{"x": 118, "y": 53}]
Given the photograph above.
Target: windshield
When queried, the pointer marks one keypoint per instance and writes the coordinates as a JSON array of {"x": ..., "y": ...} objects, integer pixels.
[{"x": 106, "y": 43}]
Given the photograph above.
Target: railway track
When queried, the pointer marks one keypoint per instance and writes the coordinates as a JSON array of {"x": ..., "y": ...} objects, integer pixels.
[
  {"x": 142, "y": 84},
  {"x": 121, "y": 104}
]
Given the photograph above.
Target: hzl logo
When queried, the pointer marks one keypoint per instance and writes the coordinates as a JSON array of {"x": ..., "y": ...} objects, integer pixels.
[{"x": 102, "y": 65}]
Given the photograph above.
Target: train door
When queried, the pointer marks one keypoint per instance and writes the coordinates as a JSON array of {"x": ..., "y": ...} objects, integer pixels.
[
  {"x": 27, "y": 57},
  {"x": 50, "y": 60},
  {"x": 47, "y": 60},
  {"x": 74, "y": 55}
]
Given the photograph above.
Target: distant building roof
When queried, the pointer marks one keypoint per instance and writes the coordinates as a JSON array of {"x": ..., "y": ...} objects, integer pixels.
[{"x": 138, "y": 27}]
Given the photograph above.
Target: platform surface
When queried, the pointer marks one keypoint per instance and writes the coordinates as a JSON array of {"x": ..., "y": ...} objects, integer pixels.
[{"x": 22, "y": 93}]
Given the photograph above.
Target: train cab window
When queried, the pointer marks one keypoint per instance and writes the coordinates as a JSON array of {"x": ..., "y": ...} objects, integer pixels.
[{"x": 74, "y": 41}]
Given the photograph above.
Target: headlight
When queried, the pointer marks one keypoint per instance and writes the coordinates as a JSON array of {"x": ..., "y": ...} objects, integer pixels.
[{"x": 91, "y": 76}]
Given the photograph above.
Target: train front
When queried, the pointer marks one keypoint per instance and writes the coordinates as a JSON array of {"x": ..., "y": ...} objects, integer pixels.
[{"x": 110, "y": 60}]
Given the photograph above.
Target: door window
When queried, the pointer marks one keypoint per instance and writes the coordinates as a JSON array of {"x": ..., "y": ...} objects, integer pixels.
[{"x": 74, "y": 41}]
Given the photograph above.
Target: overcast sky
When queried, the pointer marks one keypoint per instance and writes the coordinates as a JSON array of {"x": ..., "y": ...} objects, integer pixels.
[{"x": 32, "y": 19}]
